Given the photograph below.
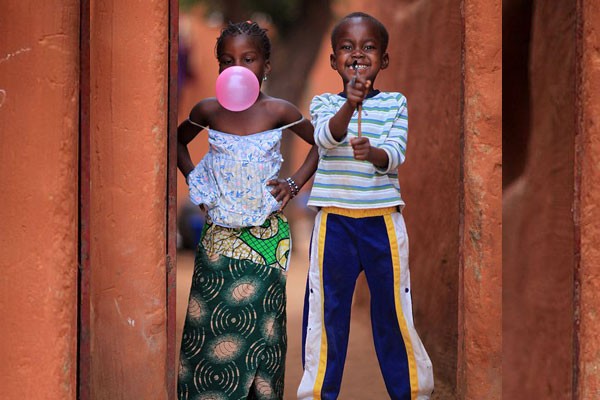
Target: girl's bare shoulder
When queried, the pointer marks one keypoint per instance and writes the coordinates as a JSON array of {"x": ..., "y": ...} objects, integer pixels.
[
  {"x": 283, "y": 109},
  {"x": 204, "y": 109},
  {"x": 208, "y": 105}
]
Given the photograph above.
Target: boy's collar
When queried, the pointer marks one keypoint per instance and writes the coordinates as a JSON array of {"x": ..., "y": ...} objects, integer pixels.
[{"x": 372, "y": 93}]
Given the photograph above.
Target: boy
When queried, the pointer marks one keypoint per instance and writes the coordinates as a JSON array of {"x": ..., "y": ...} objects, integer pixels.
[{"x": 359, "y": 226}]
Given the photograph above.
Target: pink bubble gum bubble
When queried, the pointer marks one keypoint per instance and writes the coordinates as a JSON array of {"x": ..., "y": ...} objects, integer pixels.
[{"x": 237, "y": 88}]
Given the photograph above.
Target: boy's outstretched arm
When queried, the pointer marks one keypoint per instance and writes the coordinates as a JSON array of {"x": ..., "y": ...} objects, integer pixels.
[
  {"x": 338, "y": 124},
  {"x": 356, "y": 91}
]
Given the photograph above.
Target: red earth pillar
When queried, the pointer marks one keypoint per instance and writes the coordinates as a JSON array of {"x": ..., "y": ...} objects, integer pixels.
[
  {"x": 39, "y": 113},
  {"x": 128, "y": 124},
  {"x": 587, "y": 214},
  {"x": 480, "y": 284},
  {"x": 538, "y": 228}
]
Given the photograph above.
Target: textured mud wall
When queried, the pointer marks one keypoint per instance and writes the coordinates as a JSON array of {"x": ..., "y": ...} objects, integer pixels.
[
  {"x": 516, "y": 36},
  {"x": 538, "y": 232},
  {"x": 129, "y": 64},
  {"x": 480, "y": 291},
  {"x": 39, "y": 95},
  {"x": 425, "y": 65},
  {"x": 449, "y": 96},
  {"x": 586, "y": 209}
]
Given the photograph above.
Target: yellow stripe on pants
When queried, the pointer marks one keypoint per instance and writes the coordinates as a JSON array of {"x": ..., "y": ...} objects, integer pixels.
[
  {"x": 323, "y": 352},
  {"x": 410, "y": 354}
]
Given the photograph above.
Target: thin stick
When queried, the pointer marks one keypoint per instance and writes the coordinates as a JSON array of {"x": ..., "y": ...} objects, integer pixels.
[
  {"x": 359, "y": 119},
  {"x": 359, "y": 107}
]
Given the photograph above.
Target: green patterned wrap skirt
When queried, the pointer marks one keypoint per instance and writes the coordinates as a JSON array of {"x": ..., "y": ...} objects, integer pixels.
[{"x": 234, "y": 338}]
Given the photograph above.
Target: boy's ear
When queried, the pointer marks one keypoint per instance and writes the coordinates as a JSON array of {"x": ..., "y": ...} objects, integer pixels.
[
  {"x": 332, "y": 61},
  {"x": 385, "y": 60}
]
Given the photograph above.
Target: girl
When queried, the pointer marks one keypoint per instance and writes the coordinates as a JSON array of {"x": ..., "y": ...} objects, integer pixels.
[{"x": 234, "y": 338}]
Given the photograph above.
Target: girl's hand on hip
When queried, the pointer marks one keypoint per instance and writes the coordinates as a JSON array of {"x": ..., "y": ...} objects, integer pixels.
[{"x": 280, "y": 189}]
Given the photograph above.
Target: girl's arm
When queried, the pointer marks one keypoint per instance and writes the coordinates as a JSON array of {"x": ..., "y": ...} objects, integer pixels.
[
  {"x": 305, "y": 130},
  {"x": 307, "y": 169},
  {"x": 186, "y": 132},
  {"x": 285, "y": 189}
]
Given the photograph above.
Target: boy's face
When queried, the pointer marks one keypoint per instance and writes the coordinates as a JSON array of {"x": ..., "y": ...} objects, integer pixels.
[
  {"x": 358, "y": 40},
  {"x": 243, "y": 50}
]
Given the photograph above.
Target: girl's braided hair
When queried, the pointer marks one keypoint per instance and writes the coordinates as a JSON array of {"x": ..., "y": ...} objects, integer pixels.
[{"x": 245, "y": 28}]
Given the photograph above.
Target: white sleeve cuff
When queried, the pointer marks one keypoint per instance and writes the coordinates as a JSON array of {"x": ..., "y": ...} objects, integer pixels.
[
  {"x": 391, "y": 165},
  {"x": 324, "y": 137}
]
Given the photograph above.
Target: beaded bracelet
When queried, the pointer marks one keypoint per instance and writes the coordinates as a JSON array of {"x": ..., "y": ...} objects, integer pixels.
[{"x": 294, "y": 189}]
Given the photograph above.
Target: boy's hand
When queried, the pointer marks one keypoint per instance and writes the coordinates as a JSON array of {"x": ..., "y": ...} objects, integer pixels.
[
  {"x": 356, "y": 90},
  {"x": 364, "y": 151},
  {"x": 281, "y": 191},
  {"x": 361, "y": 147}
]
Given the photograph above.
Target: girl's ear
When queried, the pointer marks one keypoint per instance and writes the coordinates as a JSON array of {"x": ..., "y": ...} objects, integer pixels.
[
  {"x": 267, "y": 67},
  {"x": 385, "y": 60},
  {"x": 332, "y": 61}
]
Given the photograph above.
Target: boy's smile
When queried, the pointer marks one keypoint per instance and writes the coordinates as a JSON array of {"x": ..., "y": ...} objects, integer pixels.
[{"x": 358, "y": 50}]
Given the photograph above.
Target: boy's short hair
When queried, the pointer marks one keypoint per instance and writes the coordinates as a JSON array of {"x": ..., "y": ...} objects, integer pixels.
[{"x": 383, "y": 33}]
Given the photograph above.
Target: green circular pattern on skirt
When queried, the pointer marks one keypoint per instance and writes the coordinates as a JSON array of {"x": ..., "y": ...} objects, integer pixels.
[{"x": 234, "y": 339}]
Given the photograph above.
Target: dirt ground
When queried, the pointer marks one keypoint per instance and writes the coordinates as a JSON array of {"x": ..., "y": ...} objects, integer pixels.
[{"x": 362, "y": 378}]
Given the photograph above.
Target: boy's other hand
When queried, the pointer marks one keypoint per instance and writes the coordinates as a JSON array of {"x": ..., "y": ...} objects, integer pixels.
[{"x": 361, "y": 147}]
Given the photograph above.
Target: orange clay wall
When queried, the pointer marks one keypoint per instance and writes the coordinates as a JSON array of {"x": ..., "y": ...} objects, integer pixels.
[
  {"x": 426, "y": 65},
  {"x": 538, "y": 231},
  {"x": 551, "y": 232},
  {"x": 39, "y": 97},
  {"x": 480, "y": 280},
  {"x": 451, "y": 182},
  {"x": 587, "y": 214},
  {"x": 129, "y": 68}
]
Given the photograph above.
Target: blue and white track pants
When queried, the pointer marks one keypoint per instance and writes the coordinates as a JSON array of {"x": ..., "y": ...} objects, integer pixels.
[{"x": 344, "y": 243}]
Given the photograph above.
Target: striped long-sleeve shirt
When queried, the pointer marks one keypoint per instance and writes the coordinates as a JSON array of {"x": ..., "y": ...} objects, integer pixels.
[{"x": 341, "y": 180}]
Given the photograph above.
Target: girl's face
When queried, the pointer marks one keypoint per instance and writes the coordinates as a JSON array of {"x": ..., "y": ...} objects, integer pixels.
[
  {"x": 358, "y": 40},
  {"x": 243, "y": 50}
]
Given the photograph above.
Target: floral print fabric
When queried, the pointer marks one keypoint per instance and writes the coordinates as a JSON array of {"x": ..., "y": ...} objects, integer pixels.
[{"x": 231, "y": 178}]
